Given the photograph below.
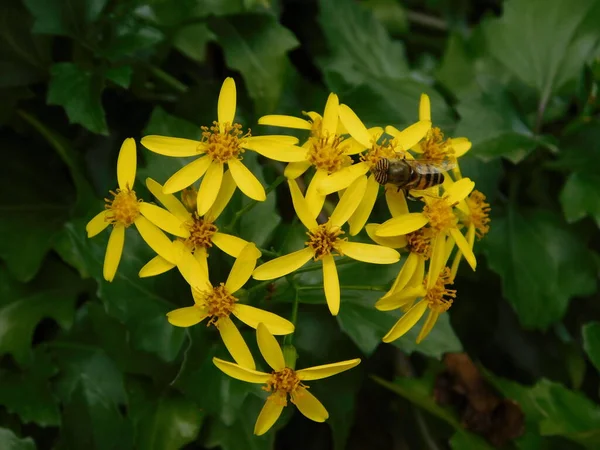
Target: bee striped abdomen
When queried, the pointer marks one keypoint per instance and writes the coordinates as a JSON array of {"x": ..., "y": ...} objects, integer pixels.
[
  {"x": 428, "y": 180},
  {"x": 381, "y": 171}
]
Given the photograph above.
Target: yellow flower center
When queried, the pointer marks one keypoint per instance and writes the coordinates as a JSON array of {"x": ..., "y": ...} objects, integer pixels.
[
  {"x": 439, "y": 298},
  {"x": 435, "y": 147},
  {"x": 380, "y": 151},
  {"x": 440, "y": 214},
  {"x": 282, "y": 383},
  {"x": 479, "y": 212},
  {"x": 328, "y": 153},
  {"x": 201, "y": 233},
  {"x": 419, "y": 242},
  {"x": 124, "y": 207},
  {"x": 218, "y": 302},
  {"x": 226, "y": 145},
  {"x": 324, "y": 240},
  {"x": 189, "y": 198}
]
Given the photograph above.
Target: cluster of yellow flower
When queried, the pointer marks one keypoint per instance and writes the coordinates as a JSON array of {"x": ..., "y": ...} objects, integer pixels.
[{"x": 449, "y": 205}]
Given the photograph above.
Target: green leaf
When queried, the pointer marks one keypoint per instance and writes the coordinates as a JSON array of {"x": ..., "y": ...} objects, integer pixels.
[
  {"x": 557, "y": 410},
  {"x": 490, "y": 120},
  {"x": 542, "y": 264},
  {"x": 28, "y": 393},
  {"x": 141, "y": 304},
  {"x": 64, "y": 17},
  {"x": 468, "y": 441},
  {"x": 549, "y": 51},
  {"x": 371, "y": 68},
  {"x": 241, "y": 433},
  {"x": 92, "y": 391},
  {"x": 456, "y": 70},
  {"x": 191, "y": 40},
  {"x": 257, "y": 46},
  {"x": 120, "y": 75},
  {"x": 10, "y": 441},
  {"x": 579, "y": 197},
  {"x": 78, "y": 91},
  {"x": 36, "y": 209},
  {"x": 164, "y": 422},
  {"x": 591, "y": 342},
  {"x": 52, "y": 294}
]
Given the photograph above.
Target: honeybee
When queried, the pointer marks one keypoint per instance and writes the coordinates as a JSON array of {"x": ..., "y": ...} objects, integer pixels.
[{"x": 409, "y": 174}]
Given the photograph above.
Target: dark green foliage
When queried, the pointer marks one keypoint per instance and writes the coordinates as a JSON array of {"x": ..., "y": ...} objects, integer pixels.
[{"x": 87, "y": 364}]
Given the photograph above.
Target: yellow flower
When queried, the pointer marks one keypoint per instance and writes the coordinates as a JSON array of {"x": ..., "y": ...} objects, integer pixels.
[
  {"x": 222, "y": 143},
  {"x": 434, "y": 147},
  {"x": 376, "y": 150},
  {"x": 196, "y": 235},
  {"x": 283, "y": 381},
  {"x": 219, "y": 302},
  {"x": 125, "y": 209},
  {"x": 326, "y": 149},
  {"x": 323, "y": 242},
  {"x": 438, "y": 298},
  {"x": 439, "y": 214}
]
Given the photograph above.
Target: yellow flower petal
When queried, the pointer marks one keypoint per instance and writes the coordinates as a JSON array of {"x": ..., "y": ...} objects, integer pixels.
[
  {"x": 235, "y": 343},
  {"x": 349, "y": 202},
  {"x": 370, "y": 253},
  {"x": 330, "y": 116},
  {"x": 155, "y": 266},
  {"x": 406, "y": 273},
  {"x": 406, "y": 322},
  {"x": 459, "y": 191},
  {"x": 392, "y": 241},
  {"x": 226, "y": 104},
  {"x": 97, "y": 224},
  {"x": 458, "y": 256},
  {"x": 127, "y": 164},
  {"x": 252, "y": 316},
  {"x": 314, "y": 199},
  {"x": 295, "y": 169},
  {"x": 268, "y": 415},
  {"x": 172, "y": 146},
  {"x": 285, "y": 121},
  {"x": 283, "y": 265},
  {"x": 246, "y": 181},
  {"x": 428, "y": 325},
  {"x": 187, "y": 175},
  {"x": 209, "y": 188},
  {"x": 326, "y": 370},
  {"x": 241, "y": 373},
  {"x": 114, "y": 249},
  {"x": 331, "y": 284},
  {"x": 281, "y": 139},
  {"x": 355, "y": 126},
  {"x": 155, "y": 238},
  {"x": 365, "y": 207},
  {"x": 242, "y": 268},
  {"x": 186, "y": 317},
  {"x": 227, "y": 190},
  {"x": 437, "y": 261},
  {"x": 425, "y": 108},
  {"x": 190, "y": 268},
  {"x": 396, "y": 201},
  {"x": 164, "y": 220},
  {"x": 464, "y": 247},
  {"x": 169, "y": 201},
  {"x": 401, "y": 225},
  {"x": 342, "y": 178},
  {"x": 201, "y": 256},
  {"x": 412, "y": 135},
  {"x": 301, "y": 206},
  {"x": 460, "y": 145},
  {"x": 400, "y": 298},
  {"x": 309, "y": 405},
  {"x": 269, "y": 348},
  {"x": 232, "y": 245},
  {"x": 275, "y": 150}
]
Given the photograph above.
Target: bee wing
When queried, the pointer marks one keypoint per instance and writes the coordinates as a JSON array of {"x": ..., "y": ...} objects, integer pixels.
[{"x": 425, "y": 166}]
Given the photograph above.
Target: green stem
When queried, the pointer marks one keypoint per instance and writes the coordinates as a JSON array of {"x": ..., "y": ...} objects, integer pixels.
[
  {"x": 248, "y": 207},
  {"x": 290, "y": 337},
  {"x": 318, "y": 266},
  {"x": 347, "y": 287},
  {"x": 269, "y": 253},
  {"x": 259, "y": 286},
  {"x": 168, "y": 79}
]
